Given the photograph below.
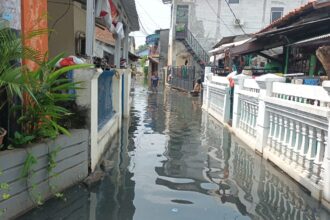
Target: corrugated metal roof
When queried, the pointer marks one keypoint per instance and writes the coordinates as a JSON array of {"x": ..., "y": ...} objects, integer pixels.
[
  {"x": 133, "y": 17},
  {"x": 325, "y": 36}
]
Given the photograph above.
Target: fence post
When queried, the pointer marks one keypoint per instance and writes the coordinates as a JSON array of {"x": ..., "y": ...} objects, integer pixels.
[
  {"x": 117, "y": 93},
  {"x": 239, "y": 85},
  {"x": 207, "y": 79},
  {"x": 326, "y": 161},
  {"x": 127, "y": 89},
  {"x": 266, "y": 88}
]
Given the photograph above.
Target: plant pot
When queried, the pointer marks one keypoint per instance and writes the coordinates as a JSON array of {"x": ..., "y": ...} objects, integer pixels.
[{"x": 3, "y": 133}]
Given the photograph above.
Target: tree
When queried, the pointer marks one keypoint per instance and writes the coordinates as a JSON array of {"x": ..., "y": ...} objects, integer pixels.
[{"x": 143, "y": 47}]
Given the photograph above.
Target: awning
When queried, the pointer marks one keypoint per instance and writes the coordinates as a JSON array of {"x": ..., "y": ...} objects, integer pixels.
[
  {"x": 229, "y": 39},
  {"x": 154, "y": 60},
  {"x": 132, "y": 14},
  {"x": 325, "y": 38},
  {"x": 133, "y": 56},
  {"x": 223, "y": 47},
  {"x": 217, "y": 57}
]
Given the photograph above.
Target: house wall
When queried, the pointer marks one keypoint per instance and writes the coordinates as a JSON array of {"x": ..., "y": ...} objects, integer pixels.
[
  {"x": 256, "y": 14},
  {"x": 163, "y": 44},
  {"x": 62, "y": 35},
  {"x": 88, "y": 99},
  {"x": 62, "y": 38},
  {"x": 208, "y": 29},
  {"x": 100, "y": 47}
]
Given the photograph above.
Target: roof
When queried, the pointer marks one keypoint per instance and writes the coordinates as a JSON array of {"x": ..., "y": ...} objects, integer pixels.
[
  {"x": 154, "y": 60},
  {"x": 222, "y": 48},
  {"x": 229, "y": 39},
  {"x": 284, "y": 36},
  {"x": 322, "y": 38},
  {"x": 309, "y": 21},
  {"x": 105, "y": 36},
  {"x": 133, "y": 56},
  {"x": 133, "y": 17}
]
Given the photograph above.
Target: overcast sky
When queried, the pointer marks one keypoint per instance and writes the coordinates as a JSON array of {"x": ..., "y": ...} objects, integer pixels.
[{"x": 153, "y": 15}]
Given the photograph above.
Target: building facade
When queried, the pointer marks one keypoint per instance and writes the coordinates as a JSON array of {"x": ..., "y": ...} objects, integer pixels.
[{"x": 205, "y": 22}]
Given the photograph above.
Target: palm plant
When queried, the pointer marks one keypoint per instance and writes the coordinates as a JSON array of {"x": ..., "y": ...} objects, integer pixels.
[
  {"x": 50, "y": 89},
  {"x": 45, "y": 89},
  {"x": 11, "y": 81}
]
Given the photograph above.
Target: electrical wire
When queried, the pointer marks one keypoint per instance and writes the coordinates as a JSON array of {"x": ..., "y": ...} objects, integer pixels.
[
  {"x": 60, "y": 18},
  {"x": 158, "y": 26},
  {"x": 143, "y": 29},
  {"x": 216, "y": 14},
  {"x": 236, "y": 19}
]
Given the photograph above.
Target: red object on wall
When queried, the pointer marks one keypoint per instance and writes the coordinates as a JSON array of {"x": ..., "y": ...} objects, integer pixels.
[{"x": 114, "y": 12}]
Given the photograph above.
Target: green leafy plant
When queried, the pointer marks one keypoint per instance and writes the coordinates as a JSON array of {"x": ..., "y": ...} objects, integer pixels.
[
  {"x": 27, "y": 170},
  {"x": 51, "y": 166},
  {"x": 28, "y": 173},
  {"x": 21, "y": 139},
  {"x": 49, "y": 88},
  {"x": 10, "y": 74}
]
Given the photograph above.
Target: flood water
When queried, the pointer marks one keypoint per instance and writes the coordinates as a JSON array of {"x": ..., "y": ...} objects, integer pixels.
[{"x": 173, "y": 161}]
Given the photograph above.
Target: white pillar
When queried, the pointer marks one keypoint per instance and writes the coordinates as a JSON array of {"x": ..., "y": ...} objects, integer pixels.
[
  {"x": 95, "y": 155},
  {"x": 226, "y": 105},
  {"x": 326, "y": 161},
  {"x": 90, "y": 28},
  {"x": 207, "y": 79},
  {"x": 117, "y": 94},
  {"x": 117, "y": 52},
  {"x": 239, "y": 85},
  {"x": 127, "y": 90},
  {"x": 126, "y": 45},
  {"x": 266, "y": 86}
]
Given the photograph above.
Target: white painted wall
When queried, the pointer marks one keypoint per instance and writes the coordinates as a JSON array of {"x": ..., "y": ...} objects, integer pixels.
[
  {"x": 203, "y": 19},
  {"x": 88, "y": 98},
  {"x": 100, "y": 47}
]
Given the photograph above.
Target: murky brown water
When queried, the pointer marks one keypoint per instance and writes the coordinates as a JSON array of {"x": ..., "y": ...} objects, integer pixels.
[{"x": 175, "y": 162}]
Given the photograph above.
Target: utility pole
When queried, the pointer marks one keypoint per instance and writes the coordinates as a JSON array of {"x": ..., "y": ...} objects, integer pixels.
[{"x": 217, "y": 33}]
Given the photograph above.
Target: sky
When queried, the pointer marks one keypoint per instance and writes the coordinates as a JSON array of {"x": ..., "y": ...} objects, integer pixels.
[{"x": 153, "y": 15}]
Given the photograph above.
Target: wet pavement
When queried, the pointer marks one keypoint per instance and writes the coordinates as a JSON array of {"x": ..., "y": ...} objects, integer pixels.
[{"x": 173, "y": 161}]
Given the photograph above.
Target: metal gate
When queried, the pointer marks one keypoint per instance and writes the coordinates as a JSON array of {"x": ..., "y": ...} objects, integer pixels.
[{"x": 183, "y": 77}]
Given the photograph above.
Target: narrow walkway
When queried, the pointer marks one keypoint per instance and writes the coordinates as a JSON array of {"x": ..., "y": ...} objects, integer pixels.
[{"x": 175, "y": 162}]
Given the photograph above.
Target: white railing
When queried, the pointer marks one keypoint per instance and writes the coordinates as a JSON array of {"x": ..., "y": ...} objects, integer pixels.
[
  {"x": 287, "y": 123},
  {"x": 304, "y": 94},
  {"x": 217, "y": 97},
  {"x": 298, "y": 128},
  {"x": 248, "y": 117},
  {"x": 247, "y": 96}
]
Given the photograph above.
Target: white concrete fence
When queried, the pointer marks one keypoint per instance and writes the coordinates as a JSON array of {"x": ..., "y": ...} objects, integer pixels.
[
  {"x": 89, "y": 98},
  {"x": 286, "y": 123}
]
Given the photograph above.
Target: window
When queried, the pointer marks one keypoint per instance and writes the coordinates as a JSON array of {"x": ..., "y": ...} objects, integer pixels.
[
  {"x": 276, "y": 13},
  {"x": 233, "y": 1}
]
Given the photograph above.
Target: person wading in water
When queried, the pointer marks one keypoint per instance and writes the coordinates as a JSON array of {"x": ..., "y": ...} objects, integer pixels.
[{"x": 154, "y": 82}]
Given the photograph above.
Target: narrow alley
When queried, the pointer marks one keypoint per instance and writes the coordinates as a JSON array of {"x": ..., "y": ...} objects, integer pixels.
[{"x": 173, "y": 161}]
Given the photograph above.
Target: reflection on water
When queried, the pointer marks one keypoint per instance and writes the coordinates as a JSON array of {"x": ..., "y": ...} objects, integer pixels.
[{"x": 174, "y": 162}]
